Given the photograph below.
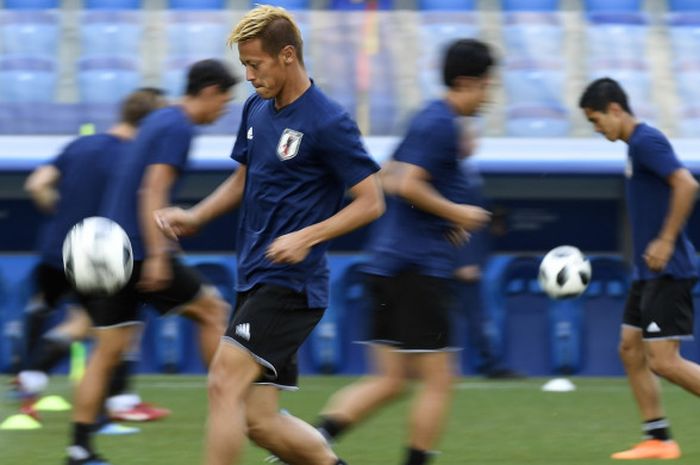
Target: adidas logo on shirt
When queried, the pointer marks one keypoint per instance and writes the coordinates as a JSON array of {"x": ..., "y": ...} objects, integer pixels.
[
  {"x": 243, "y": 330},
  {"x": 653, "y": 328},
  {"x": 249, "y": 136}
]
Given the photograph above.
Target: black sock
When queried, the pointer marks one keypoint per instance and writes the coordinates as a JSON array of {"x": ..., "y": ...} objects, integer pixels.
[
  {"x": 52, "y": 350},
  {"x": 120, "y": 379},
  {"x": 34, "y": 324},
  {"x": 416, "y": 457},
  {"x": 340, "y": 462},
  {"x": 81, "y": 435},
  {"x": 657, "y": 428},
  {"x": 331, "y": 428}
]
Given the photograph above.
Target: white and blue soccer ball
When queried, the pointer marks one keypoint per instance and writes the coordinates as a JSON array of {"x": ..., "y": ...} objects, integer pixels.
[
  {"x": 564, "y": 272},
  {"x": 97, "y": 256}
]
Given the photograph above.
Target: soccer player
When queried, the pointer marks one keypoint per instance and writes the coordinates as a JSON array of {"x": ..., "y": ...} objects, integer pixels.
[
  {"x": 413, "y": 259},
  {"x": 69, "y": 189},
  {"x": 659, "y": 309},
  {"x": 298, "y": 153},
  {"x": 142, "y": 183}
]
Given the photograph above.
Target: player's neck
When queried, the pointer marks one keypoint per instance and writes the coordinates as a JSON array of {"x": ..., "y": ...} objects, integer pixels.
[
  {"x": 296, "y": 84},
  {"x": 628, "y": 125},
  {"x": 123, "y": 131}
]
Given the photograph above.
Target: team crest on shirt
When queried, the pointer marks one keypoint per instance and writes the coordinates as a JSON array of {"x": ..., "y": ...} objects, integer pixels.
[{"x": 288, "y": 145}]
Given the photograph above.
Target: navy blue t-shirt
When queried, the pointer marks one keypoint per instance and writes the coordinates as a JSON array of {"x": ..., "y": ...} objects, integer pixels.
[
  {"x": 650, "y": 161},
  {"x": 85, "y": 165},
  {"x": 164, "y": 137},
  {"x": 300, "y": 161},
  {"x": 410, "y": 238}
]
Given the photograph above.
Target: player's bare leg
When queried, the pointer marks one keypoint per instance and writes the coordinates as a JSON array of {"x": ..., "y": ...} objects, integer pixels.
[
  {"x": 293, "y": 440},
  {"x": 210, "y": 312},
  {"x": 665, "y": 360},
  {"x": 430, "y": 406},
  {"x": 355, "y": 402},
  {"x": 231, "y": 373},
  {"x": 644, "y": 384}
]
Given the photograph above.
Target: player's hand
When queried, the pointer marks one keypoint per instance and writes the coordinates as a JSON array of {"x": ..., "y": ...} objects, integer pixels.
[
  {"x": 290, "y": 248},
  {"x": 176, "y": 222},
  {"x": 472, "y": 218},
  {"x": 156, "y": 273},
  {"x": 658, "y": 253},
  {"x": 457, "y": 236}
]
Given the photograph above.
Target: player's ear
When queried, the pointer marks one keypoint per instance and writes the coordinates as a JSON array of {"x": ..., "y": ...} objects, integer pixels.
[{"x": 288, "y": 54}]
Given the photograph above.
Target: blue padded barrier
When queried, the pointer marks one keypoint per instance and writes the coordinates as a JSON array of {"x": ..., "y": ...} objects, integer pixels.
[
  {"x": 39, "y": 118},
  {"x": 604, "y": 302}
]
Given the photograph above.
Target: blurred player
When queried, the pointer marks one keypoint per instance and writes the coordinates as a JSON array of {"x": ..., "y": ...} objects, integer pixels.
[
  {"x": 659, "y": 309},
  {"x": 413, "y": 259},
  {"x": 471, "y": 259},
  {"x": 141, "y": 184},
  {"x": 298, "y": 153},
  {"x": 69, "y": 189}
]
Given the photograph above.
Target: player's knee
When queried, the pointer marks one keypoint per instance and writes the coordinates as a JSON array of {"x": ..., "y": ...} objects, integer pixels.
[{"x": 630, "y": 353}]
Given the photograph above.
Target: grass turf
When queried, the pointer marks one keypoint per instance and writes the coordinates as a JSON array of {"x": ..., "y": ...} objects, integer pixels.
[{"x": 499, "y": 422}]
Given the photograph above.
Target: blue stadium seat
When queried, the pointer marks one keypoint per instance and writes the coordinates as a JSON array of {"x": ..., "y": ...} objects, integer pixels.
[
  {"x": 360, "y": 5},
  {"x": 533, "y": 35},
  {"x": 196, "y": 34},
  {"x": 684, "y": 5},
  {"x": 613, "y": 5},
  {"x": 530, "y": 5},
  {"x": 196, "y": 4},
  {"x": 632, "y": 74},
  {"x": 537, "y": 121},
  {"x": 33, "y": 33},
  {"x": 174, "y": 77},
  {"x": 684, "y": 32},
  {"x": 27, "y": 79},
  {"x": 687, "y": 74},
  {"x": 616, "y": 36},
  {"x": 106, "y": 79},
  {"x": 110, "y": 33},
  {"x": 450, "y": 5},
  {"x": 689, "y": 121},
  {"x": 534, "y": 82},
  {"x": 112, "y": 4},
  {"x": 287, "y": 4},
  {"x": 31, "y": 4}
]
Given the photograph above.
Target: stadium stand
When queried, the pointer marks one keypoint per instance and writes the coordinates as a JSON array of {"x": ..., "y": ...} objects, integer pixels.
[
  {"x": 27, "y": 79},
  {"x": 106, "y": 79},
  {"x": 31, "y": 4},
  {"x": 30, "y": 32},
  {"x": 196, "y": 34},
  {"x": 530, "y": 5},
  {"x": 196, "y": 4},
  {"x": 112, "y": 4},
  {"x": 110, "y": 33}
]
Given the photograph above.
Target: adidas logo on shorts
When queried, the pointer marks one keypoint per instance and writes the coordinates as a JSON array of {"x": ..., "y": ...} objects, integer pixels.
[{"x": 243, "y": 330}]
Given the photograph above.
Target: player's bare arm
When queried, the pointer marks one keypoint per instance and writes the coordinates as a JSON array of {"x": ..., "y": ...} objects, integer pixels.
[
  {"x": 367, "y": 205},
  {"x": 41, "y": 186},
  {"x": 176, "y": 222},
  {"x": 414, "y": 186},
  {"x": 154, "y": 195},
  {"x": 684, "y": 188}
]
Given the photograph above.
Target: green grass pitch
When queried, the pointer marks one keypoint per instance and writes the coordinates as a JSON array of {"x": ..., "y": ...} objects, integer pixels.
[{"x": 499, "y": 423}]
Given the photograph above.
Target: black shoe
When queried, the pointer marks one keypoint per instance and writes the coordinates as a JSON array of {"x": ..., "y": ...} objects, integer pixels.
[
  {"x": 504, "y": 373},
  {"x": 93, "y": 459}
]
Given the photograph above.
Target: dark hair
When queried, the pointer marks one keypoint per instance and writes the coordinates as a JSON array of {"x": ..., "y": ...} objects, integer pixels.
[
  {"x": 468, "y": 58},
  {"x": 207, "y": 73},
  {"x": 602, "y": 92},
  {"x": 140, "y": 103},
  {"x": 280, "y": 33}
]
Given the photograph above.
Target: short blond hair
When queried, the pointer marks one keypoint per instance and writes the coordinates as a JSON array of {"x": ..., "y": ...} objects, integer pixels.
[{"x": 274, "y": 26}]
